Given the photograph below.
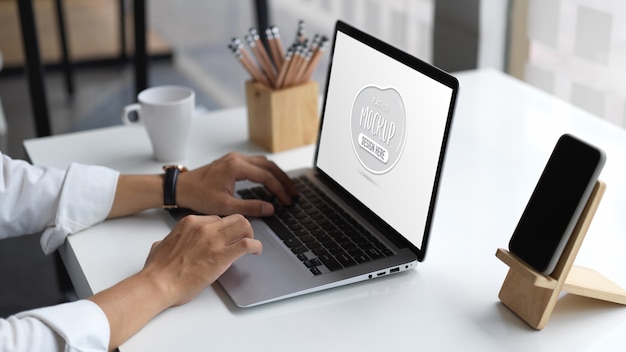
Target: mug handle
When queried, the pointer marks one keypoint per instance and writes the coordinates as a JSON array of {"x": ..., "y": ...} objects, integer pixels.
[{"x": 127, "y": 110}]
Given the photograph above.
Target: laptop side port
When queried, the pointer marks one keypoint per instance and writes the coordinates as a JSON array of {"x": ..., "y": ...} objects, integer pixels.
[{"x": 394, "y": 270}]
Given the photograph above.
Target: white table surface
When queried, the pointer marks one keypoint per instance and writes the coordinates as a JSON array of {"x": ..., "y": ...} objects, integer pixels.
[{"x": 502, "y": 135}]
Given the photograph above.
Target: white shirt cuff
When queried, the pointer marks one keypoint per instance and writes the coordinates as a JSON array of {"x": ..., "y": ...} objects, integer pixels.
[
  {"x": 82, "y": 324},
  {"x": 86, "y": 199}
]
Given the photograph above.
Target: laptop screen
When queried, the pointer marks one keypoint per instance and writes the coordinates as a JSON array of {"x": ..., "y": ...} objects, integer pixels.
[{"x": 384, "y": 130}]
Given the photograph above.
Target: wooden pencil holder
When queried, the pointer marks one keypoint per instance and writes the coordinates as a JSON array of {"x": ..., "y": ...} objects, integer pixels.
[
  {"x": 282, "y": 119},
  {"x": 532, "y": 296}
]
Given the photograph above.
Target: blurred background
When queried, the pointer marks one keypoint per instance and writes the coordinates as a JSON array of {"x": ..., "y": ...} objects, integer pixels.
[{"x": 573, "y": 49}]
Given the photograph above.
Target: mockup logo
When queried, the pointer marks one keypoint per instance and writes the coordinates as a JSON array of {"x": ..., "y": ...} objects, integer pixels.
[{"x": 378, "y": 128}]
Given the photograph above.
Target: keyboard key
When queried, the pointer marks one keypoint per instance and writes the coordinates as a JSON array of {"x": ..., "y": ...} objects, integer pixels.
[
  {"x": 322, "y": 237},
  {"x": 361, "y": 258},
  {"x": 295, "y": 227},
  {"x": 318, "y": 217},
  {"x": 301, "y": 233},
  {"x": 311, "y": 263},
  {"x": 262, "y": 193},
  {"x": 313, "y": 245},
  {"x": 374, "y": 253},
  {"x": 345, "y": 259},
  {"x": 289, "y": 221},
  {"x": 311, "y": 227},
  {"x": 306, "y": 221},
  {"x": 300, "y": 215},
  {"x": 319, "y": 251},
  {"x": 293, "y": 242},
  {"x": 330, "y": 262},
  {"x": 363, "y": 244},
  {"x": 348, "y": 246},
  {"x": 307, "y": 238},
  {"x": 330, "y": 245},
  {"x": 306, "y": 206},
  {"x": 281, "y": 231},
  {"x": 299, "y": 249}
]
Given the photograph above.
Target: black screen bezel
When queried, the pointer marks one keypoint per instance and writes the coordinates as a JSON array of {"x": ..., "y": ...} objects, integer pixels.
[{"x": 429, "y": 71}]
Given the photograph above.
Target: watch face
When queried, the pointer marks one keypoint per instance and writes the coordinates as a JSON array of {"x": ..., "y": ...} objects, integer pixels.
[{"x": 179, "y": 167}]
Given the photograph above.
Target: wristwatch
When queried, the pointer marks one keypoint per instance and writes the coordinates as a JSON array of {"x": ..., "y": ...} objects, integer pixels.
[{"x": 169, "y": 185}]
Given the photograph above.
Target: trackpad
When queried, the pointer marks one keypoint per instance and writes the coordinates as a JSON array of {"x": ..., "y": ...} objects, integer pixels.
[{"x": 262, "y": 233}]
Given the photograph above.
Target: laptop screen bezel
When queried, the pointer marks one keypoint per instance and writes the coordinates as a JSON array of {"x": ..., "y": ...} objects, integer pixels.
[{"x": 429, "y": 71}]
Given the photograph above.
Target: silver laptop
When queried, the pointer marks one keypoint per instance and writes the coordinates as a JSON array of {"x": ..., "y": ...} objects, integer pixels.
[{"x": 366, "y": 206}]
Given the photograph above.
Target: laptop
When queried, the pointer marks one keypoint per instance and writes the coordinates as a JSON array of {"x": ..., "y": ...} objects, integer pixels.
[{"x": 366, "y": 206}]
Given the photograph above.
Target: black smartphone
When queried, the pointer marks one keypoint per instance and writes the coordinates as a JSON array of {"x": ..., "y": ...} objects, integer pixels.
[{"x": 556, "y": 203}]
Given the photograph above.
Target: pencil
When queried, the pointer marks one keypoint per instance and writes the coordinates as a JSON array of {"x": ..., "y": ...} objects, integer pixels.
[
  {"x": 280, "y": 81},
  {"x": 277, "y": 56},
  {"x": 315, "y": 58},
  {"x": 263, "y": 60},
  {"x": 300, "y": 32},
  {"x": 279, "y": 43},
  {"x": 306, "y": 58},
  {"x": 247, "y": 60},
  {"x": 315, "y": 42},
  {"x": 274, "y": 67},
  {"x": 248, "y": 65},
  {"x": 296, "y": 61}
]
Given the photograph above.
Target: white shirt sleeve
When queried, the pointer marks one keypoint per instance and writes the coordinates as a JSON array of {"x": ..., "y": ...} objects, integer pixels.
[
  {"x": 28, "y": 197},
  {"x": 58, "y": 202},
  {"x": 76, "y": 326},
  {"x": 86, "y": 199}
]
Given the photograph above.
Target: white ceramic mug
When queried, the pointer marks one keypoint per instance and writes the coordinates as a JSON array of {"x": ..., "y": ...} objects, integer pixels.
[{"x": 166, "y": 113}]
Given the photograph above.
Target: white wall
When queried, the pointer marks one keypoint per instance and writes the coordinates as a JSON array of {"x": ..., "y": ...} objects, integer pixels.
[
  {"x": 577, "y": 52},
  {"x": 493, "y": 33}
]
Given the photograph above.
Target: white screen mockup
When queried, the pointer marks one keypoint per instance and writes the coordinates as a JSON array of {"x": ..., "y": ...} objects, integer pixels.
[{"x": 382, "y": 134}]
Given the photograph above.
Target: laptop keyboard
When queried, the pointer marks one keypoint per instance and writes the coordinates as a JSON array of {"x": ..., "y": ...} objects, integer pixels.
[{"x": 320, "y": 233}]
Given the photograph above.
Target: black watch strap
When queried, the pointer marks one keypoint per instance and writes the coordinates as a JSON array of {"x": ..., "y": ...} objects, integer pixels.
[{"x": 169, "y": 185}]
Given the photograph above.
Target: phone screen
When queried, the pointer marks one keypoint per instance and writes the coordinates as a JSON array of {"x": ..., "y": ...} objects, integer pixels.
[{"x": 556, "y": 203}]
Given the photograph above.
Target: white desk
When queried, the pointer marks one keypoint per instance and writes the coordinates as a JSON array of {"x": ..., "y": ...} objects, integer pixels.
[{"x": 502, "y": 135}]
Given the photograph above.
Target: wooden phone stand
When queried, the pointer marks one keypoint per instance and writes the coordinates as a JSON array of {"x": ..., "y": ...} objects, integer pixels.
[{"x": 532, "y": 295}]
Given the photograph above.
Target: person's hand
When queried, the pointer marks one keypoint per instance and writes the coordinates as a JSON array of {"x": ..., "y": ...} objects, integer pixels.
[
  {"x": 210, "y": 189},
  {"x": 197, "y": 251}
]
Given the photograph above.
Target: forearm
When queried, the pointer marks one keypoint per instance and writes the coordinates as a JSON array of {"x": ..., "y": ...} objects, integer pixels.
[
  {"x": 209, "y": 189},
  {"x": 131, "y": 304},
  {"x": 136, "y": 193}
]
